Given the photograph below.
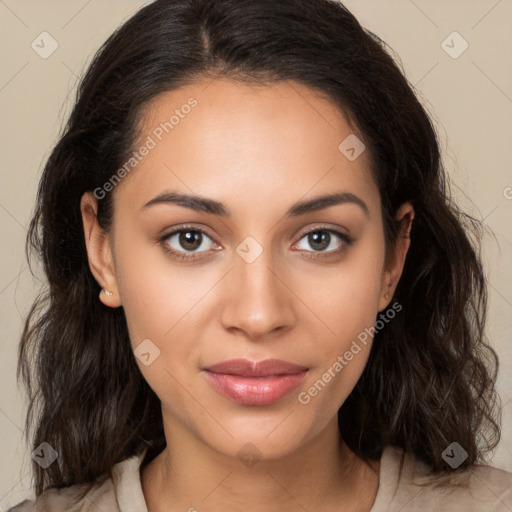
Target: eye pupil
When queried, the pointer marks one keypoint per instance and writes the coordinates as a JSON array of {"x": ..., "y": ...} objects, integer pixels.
[
  {"x": 190, "y": 239},
  {"x": 322, "y": 239}
]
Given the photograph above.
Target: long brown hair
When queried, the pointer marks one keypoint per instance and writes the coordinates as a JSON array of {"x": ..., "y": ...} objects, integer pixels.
[{"x": 430, "y": 376}]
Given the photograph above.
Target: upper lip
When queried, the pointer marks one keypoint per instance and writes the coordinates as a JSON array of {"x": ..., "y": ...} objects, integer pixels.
[{"x": 265, "y": 368}]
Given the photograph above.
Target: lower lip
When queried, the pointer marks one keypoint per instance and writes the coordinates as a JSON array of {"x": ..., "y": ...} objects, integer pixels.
[{"x": 254, "y": 390}]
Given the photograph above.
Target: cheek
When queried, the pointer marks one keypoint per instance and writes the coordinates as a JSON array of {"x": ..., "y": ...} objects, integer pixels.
[
  {"x": 140, "y": 287},
  {"x": 164, "y": 304},
  {"x": 155, "y": 294},
  {"x": 347, "y": 307},
  {"x": 345, "y": 297},
  {"x": 156, "y": 297}
]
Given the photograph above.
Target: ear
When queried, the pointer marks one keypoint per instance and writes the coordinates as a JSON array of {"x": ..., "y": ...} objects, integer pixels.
[
  {"x": 395, "y": 257},
  {"x": 99, "y": 251}
]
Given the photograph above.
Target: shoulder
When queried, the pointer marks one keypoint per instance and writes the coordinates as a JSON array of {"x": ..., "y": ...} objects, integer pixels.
[
  {"x": 414, "y": 487},
  {"x": 109, "y": 492},
  {"x": 77, "y": 498}
]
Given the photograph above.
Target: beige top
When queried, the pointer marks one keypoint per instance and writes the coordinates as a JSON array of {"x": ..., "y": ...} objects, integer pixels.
[{"x": 481, "y": 488}]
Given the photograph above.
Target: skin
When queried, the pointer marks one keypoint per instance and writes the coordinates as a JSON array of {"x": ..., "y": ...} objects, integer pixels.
[{"x": 258, "y": 150}]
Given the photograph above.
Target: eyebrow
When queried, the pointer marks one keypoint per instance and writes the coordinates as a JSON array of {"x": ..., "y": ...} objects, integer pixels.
[{"x": 213, "y": 207}]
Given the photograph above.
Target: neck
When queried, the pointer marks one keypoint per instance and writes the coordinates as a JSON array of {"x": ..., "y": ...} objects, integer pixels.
[{"x": 323, "y": 474}]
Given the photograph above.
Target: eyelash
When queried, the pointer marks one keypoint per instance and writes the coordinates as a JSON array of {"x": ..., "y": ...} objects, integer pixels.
[{"x": 184, "y": 256}]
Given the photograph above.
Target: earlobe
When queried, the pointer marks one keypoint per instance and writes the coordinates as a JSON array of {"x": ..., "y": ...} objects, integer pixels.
[
  {"x": 395, "y": 259},
  {"x": 99, "y": 252}
]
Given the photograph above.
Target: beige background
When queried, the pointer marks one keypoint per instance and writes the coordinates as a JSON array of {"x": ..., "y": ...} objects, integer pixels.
[{"x": 470, "y": 98}]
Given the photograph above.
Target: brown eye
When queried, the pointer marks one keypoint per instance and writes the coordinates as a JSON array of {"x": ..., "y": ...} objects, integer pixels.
[
  {"x": 190, "y": 240},
  {"x": 321, "y": 239},
  {"x": 184, "y": 242}
]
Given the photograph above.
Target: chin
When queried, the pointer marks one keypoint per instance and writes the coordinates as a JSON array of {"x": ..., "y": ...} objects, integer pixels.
[{"x": 266, "y": 438}]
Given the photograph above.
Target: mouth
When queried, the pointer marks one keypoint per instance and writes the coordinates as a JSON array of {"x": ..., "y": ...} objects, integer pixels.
[{"x": 255, "y": 383}]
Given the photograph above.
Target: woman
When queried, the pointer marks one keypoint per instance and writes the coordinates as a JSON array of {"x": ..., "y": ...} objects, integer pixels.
[{"x": 261, "y": 296}]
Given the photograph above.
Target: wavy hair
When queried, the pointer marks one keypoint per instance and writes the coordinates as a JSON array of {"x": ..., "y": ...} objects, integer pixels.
[{"x": 430, "y": 376}]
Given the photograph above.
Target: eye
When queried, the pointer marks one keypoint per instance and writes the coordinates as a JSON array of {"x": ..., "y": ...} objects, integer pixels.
[
  {"x": 322, "y": 241},
  {"x": 185, "y": 242}
]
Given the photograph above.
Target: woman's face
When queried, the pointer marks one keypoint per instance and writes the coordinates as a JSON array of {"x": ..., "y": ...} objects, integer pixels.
[{"x": 255, "y": 285}]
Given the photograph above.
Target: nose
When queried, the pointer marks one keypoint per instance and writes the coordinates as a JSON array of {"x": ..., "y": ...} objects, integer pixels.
[{"x": 259, "y": 303}]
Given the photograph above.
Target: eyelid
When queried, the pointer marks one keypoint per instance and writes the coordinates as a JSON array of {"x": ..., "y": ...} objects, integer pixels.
[
  {"x": 320, "y": 227},
  {"x": 185, "y": 227}
]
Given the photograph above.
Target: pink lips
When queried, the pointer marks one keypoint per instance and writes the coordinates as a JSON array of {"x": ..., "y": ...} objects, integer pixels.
[{"x": 255, "y": 383}]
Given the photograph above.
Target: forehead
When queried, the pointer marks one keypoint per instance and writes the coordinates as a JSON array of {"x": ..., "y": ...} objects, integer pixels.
[{"x": 228, "y": 139}]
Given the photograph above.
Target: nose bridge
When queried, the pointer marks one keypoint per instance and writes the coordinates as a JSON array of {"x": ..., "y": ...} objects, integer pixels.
[{"x": 259, "y": 302}]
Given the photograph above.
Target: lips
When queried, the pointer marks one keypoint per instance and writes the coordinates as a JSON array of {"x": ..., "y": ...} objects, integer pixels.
[
  {"x": 265, "y": 368},
  {"x": 255, "y": 383}
]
